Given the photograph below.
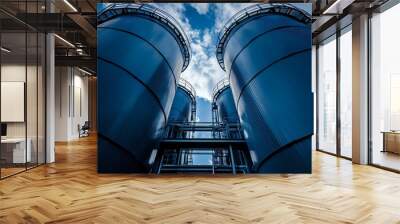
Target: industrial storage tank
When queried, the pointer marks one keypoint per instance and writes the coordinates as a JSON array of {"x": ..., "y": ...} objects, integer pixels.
[
  {"x": 141, "y": 54},
  {"x": 183, "y": 110},
  {"x": 184, "y": 105},
  {"x": 224, "y": 111},
  {"x": 266, "y": 51},
  {"x": 223, "y": 103}
]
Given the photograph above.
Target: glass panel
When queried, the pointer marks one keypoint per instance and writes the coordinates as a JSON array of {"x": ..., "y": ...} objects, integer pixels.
[
  {"x": 32, "y": 85},
  {"x": 22, "y": 90},
  {"x": 13, "y": 89},
  {"x": 327, "y": 96},
  {"x": 395, "y": 102},
  {"x": 31, "y": 97},
  {"x": 346, "y": 93},
  {"x": 385, "y": 84}
]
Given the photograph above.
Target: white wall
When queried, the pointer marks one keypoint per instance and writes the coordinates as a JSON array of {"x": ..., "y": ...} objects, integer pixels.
[
  {"x": 14, "y": 72},
  {"x": 80, "y": 110},
  {"x": 71, "y": 102},
  {"x": 17, "y": 73},
  {"x": 33, "y": 126},
  {"x": 62, "y": 82}
]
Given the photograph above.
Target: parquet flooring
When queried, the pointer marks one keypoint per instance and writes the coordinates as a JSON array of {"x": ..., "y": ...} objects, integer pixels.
[{"x": 71, "y": 191}]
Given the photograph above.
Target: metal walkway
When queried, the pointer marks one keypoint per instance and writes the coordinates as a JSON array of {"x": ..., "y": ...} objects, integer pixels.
[{"x": 202, "y": 147}]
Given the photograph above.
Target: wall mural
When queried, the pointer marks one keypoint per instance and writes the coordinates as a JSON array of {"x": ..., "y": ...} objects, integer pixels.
[{"x": 251, "y": 63}]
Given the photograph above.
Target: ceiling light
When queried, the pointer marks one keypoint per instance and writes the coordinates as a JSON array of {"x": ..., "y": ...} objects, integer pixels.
[
  {"x": 70, "y": 5},
  {"x": 84, "y": 71},
  {"x": 5, "y": 50},
  {"x": 327, "y": 11},
  {"x": 79, "y": 51},
  {"x": 65, "y": 41}
]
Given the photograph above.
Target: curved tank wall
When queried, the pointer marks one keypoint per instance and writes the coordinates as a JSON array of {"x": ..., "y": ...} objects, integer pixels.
[
  {"x": 182, "y": 110},
  {"x": 181, "y": 107},
  {"x": 140, "y": 60},
  {"x": 267, "y": 56},
  {"x": 226, "y": 106}
]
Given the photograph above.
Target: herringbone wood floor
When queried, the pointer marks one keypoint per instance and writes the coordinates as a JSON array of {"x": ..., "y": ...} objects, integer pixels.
[{"x": 71, "y": 191}]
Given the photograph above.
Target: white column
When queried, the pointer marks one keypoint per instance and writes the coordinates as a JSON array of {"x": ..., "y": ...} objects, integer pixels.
[
  {"x": 50, "y": 99},
  {"x": 360, "y": 90}
]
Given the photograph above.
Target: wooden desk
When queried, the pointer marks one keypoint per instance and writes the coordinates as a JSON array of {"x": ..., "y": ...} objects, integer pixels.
[
  {"x": 391, "y": 141},
  {"x": 13, "y": 150}
]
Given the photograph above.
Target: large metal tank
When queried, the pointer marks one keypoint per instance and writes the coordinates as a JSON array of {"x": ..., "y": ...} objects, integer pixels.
[
  {"x": 141, "y": 54},
  {"x": 266, "y": 51},
  {"x": 183, "y": 110},
  {"x": 224, "y": 111},
  {"x": 223, "y": 103},
  {"x": 184, "y": 105}
]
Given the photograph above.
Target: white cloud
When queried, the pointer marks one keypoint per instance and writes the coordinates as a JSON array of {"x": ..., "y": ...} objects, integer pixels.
[
  {"x": 201, "y": 8},
  {"x": 303, "y": 6},
  {"x": 207, "y": 37},
  {"x": 203, "y": 71},
  {"x": 226, "y": 11}
]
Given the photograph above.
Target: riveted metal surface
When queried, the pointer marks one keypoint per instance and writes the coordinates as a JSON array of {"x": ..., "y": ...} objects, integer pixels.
[
  {"x": 268, "y": 59},
  {"x": 139, "y": 63}
]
